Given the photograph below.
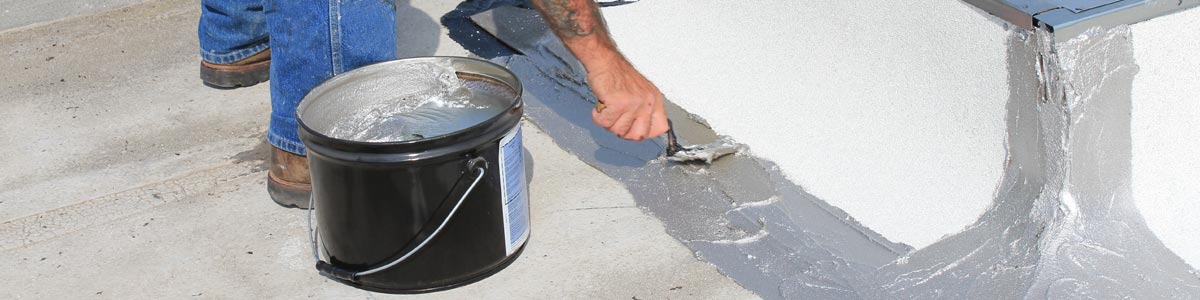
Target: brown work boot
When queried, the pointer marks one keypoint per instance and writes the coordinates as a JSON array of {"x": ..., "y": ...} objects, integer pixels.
[
  {"x": 242, "y": 73},
  {"x": 288, "y": 181}
]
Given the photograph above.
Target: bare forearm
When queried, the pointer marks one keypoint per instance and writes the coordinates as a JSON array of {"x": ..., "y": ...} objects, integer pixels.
[
  {"x": 633, "y": 106},
  {"x": 582, "y": 29}
]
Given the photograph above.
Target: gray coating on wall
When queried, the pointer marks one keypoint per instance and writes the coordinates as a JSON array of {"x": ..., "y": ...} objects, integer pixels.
[
  {"x": 1096, "y": 243},
  {"x": 1063, "y": 224}
]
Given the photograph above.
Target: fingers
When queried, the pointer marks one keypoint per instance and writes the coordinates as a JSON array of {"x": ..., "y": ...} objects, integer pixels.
[
  {"x": 623, "y": 124},
  {"x": 613, "y": 118},
  {"x": 646, "y": 122},
  {"x": 641, "y": 126},
  {"x": 606, "y": 116},
  {"x": 631, "y": 106}
]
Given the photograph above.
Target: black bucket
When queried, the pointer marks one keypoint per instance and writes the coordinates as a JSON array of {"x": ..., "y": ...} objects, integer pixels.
[{"x": 417, "y": 212}]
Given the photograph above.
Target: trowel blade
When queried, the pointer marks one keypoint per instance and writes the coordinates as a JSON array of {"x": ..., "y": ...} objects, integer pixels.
[{"x": 707, "y": 153}]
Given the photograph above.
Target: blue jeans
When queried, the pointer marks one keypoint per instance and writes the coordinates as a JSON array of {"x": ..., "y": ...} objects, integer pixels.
[{"x": 310, "y": 41}]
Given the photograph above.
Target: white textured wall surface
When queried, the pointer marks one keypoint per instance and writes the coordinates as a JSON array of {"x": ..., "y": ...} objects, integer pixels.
[
  {"x": 891, "y": 110},
  {"x": 1166, "y": 130}
]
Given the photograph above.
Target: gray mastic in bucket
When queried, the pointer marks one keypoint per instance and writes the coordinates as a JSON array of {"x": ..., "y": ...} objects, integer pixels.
[{"x": 417, "y": 173}]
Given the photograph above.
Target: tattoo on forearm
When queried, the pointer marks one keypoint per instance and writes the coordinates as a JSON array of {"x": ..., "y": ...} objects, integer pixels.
[{"x": 567, "y": 19}]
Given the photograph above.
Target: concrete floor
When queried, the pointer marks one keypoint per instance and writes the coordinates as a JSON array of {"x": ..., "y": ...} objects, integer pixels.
[{"x": 125, "y": 178}]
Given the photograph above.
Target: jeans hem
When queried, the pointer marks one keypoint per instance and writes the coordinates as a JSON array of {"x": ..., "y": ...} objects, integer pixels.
[
  {"x": 285, "y": 144},
  {"x": 227, "y": 58}
]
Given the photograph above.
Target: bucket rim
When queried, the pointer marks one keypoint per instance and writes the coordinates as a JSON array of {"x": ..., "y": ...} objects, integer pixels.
[{"x": 514, "y": 84}]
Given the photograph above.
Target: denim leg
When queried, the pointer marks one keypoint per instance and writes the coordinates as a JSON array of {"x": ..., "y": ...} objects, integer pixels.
[
  {"x": 313, "y": 40},
  {"x": 231, "y": 30}
]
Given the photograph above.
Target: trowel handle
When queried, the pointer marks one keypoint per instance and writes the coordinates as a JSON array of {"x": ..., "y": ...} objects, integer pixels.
[{"x": 672, "y": 142}]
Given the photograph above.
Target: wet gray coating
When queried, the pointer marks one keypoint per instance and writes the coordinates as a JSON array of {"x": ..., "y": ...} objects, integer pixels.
[
  {"x": 403, "y": 100},
  {"x": 708, "y": 152},
  {"x": 1063, "y": 224},
  {"x": 739, "y": 213}
]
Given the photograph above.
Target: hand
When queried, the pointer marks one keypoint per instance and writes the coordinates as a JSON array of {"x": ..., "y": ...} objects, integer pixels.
[{"x": 631, "y": 107}]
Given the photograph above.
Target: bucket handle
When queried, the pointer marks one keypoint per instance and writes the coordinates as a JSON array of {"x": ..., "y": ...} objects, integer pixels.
[{"x": 325, "y": 268}]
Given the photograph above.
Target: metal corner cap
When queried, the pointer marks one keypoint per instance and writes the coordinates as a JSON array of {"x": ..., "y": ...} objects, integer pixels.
[
  {"x": 1067, "y": 24},
  {"x": 1006, "y": 11},
  {"x": 1071, "y": 17}
]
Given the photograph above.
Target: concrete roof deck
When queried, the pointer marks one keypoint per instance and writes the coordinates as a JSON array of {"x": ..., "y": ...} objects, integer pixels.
[
  {"x": 129, "y": 174},
  {"x": 125, "y": 178}
]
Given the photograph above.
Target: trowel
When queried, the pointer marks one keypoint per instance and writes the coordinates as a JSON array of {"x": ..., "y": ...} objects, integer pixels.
[
  {"x": 694, "y": 153},
  {"x": 523, "y": 29}
]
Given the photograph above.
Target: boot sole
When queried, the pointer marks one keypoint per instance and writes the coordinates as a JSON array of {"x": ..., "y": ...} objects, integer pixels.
[
  {"x": 233, "y": 78},
  {"x": 287, "y": 194}
]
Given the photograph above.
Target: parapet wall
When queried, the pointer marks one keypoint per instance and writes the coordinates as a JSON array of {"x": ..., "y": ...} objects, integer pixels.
[
  {"x": 891, "y": 110},
  {"x": 846, "y": 115},
  {"x": 1166, "y": 130},
  {"x": 899, "y": 120}
]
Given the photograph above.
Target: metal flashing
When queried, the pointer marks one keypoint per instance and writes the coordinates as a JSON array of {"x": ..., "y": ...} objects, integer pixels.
[
  {"x": 1079, "y": 6},
  {"x": 1069, "y": 18}
]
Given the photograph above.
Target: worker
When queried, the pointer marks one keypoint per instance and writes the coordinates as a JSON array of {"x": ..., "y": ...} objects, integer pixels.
[{"x": 299, "y": 44}]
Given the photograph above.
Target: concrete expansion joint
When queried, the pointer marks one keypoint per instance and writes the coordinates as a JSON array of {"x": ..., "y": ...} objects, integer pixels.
[
  {"x": 25, "y": 231},
  {"x": 595, "y": 208}
]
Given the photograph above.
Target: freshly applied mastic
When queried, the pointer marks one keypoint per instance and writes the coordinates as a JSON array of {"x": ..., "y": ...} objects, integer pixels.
[{"x": 1062, "y": 224}]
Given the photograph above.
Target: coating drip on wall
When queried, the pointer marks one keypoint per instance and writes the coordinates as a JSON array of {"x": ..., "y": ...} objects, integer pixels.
[{"x": 1063, "y": 224}]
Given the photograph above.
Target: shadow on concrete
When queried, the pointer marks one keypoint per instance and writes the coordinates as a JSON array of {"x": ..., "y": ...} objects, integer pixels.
[
  {"x": 528, "y": 165},
  {"x": 416, "y": 32},
  {"x": 473, "y": 38},
  {"x": 257, "y": 155}
]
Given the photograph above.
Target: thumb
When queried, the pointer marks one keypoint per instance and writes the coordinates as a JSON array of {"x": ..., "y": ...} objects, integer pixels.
[{"x": 658, "y": 120}]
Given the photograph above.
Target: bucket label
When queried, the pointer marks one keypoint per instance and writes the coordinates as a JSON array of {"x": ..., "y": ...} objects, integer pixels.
[{"x": 513, "y": 191}]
